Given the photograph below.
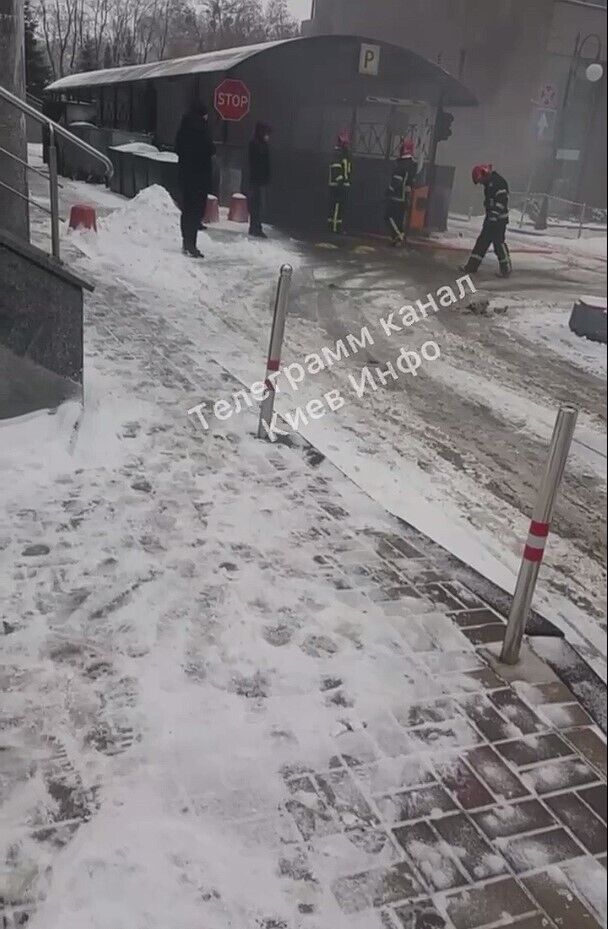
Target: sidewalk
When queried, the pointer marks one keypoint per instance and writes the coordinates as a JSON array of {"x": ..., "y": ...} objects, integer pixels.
[{"x": 236, "y": 696}]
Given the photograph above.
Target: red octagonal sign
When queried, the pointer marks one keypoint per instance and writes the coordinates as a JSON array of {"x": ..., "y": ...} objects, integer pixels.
[{"x": 232, "y": 100}]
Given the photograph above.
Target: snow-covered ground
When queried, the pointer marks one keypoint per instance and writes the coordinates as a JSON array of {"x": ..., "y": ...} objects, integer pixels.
[
  {"x": 447, "y": 501},
  {"x": 548, "y": 325},
  {"x": 226, "y": 677},
  {"x": 485, "y": 366}
]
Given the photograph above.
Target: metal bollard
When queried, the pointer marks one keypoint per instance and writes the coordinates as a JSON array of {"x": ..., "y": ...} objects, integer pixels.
[
  {"x": 274, "y": 350},
  {"x": 581, "y": 220},
  {"x": 54, "y": 195},
  {"x": 539, "y": 530}
]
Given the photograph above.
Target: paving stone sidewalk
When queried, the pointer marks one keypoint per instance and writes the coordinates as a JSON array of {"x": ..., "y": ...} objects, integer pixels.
[{"x": 478, "y": 803}]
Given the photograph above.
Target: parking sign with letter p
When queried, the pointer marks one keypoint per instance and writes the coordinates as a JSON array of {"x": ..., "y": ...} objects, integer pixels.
[{"x": 369, "y": 59}]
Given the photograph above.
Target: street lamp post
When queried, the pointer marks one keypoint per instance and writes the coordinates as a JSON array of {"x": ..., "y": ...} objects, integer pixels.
[{"x": 593, "y": 73}]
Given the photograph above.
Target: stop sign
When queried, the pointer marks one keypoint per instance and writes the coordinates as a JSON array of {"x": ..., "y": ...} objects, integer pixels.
[{"x": 232, "y": 100}]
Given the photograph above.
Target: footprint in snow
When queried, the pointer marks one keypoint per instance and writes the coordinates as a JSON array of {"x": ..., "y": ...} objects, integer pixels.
[{"x": 319, "y": 646}]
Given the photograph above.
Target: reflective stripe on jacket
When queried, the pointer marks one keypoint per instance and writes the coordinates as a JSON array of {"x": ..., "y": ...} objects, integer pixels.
[
  {"x": 496, "y": 199},
  {"x": 402, "y": 180},
  {"x": 340, "y": 171}
]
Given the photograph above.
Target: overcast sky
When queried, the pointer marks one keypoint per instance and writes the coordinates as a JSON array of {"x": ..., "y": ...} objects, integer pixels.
[{"x": 300, "y": 8}]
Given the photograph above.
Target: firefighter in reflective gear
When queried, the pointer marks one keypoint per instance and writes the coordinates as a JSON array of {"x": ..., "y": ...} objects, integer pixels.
[
  {"x": 493, "y": 231},
  {"x": 399, "y": 192},
  {"x": 340, "y": 173}
]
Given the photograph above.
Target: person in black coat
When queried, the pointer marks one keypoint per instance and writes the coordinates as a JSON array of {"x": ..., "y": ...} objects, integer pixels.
[
  {"x": 195, "y": 151},
  {"x": 259, "y": 177}
]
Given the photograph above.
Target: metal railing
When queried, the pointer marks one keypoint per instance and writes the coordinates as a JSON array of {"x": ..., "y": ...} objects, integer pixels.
[
  {"x": 560, "y": 212},
  {"x": 54, "y": 130},
  {"x": 563, "y": 215}
]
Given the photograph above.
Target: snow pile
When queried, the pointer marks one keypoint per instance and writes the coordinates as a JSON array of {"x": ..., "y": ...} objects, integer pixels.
[
  {"x": 141, "y": 243},
  {"x": 75, "y": 435},
  {"x": 135, "y": 148},
  {"x": 21, "y": 441},
  {"x": 145, "y": 216},
  {"x": 163, "y": 156}
]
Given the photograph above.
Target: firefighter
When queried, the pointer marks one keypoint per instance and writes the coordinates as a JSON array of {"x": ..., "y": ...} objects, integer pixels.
[
  {"x": 496, "y": 203},
  {"x": 340, "y": 173},
  {"x": 399, "y": 192}
]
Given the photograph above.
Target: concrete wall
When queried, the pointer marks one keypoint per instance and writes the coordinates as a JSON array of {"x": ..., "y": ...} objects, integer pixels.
[
  {"x": 502, "y": 50},
  {"x": 40, "y": 309}
]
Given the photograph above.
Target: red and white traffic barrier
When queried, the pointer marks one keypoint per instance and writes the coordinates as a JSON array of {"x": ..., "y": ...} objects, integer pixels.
[{"x": 273, "y": 362}]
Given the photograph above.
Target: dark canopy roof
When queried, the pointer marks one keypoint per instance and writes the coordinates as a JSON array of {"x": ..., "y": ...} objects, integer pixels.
[{"x": 226, "y": 60}]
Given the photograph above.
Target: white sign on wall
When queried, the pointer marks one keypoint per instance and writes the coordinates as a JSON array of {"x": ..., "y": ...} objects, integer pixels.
[
  {"x": 369, "y": 59},
  {"x": 568, "y": 154}
]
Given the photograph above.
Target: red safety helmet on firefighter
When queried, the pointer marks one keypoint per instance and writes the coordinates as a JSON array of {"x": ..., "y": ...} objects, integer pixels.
[
  {"x": 407, "y": 148},
  {"x": 344, "y": 138},
  {"x": 481, "y": 173}
]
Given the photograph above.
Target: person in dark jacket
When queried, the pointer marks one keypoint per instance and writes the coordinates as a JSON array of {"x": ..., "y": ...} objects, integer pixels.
[
  {"x": 399, "y": 192},
  {"x": 340, "y": 175},
  {"x": 259, "y": 177},
  {"x": 493, "y": 231},
  {"x": 195, "y": 151}
]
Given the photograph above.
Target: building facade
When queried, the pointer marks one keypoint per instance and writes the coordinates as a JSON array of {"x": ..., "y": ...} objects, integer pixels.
[{"x": 515, "y": 55}]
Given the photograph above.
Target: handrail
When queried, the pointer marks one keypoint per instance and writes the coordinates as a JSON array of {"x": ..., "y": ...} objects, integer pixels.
[
  {"x": 58, "y": 129},
  {"x": 26, "y": 164},
  {"x": 30, "y": 200},
  {"x": 30, "y": 98},
  {"x": 54, "y": 129}
]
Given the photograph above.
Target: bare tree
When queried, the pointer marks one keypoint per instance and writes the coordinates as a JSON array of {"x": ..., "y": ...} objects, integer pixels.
[
  {"x": 233, "y": 22},
  {"x": 280, "y": 24},
  {"x": 108, "y": 33}
]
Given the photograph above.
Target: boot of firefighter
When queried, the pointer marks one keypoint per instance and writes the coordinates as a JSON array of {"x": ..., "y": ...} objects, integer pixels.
[
  {"x": 397, "y": 237},
  {"x": 505, "y": 264}
]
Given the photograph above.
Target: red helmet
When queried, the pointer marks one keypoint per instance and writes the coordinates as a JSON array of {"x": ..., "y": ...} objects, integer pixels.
[
  {"x": 344, "y": 137},
  {"x": 406, "y": 148},
  {"x": 480, "y": 173}
]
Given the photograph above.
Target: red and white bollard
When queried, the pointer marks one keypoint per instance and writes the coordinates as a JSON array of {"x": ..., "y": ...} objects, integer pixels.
[
  {"x": 274, "y": 351},
  {"x": 238, "y": 211},
  {"x": 82, "y": 216},
  {"x": 539, "y": 531},
  {"x": 537, "y": 539}
]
